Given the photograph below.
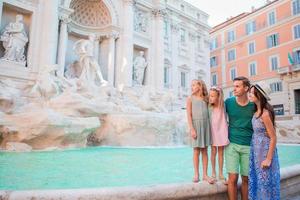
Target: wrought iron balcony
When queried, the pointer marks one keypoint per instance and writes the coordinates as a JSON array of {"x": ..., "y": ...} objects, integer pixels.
[{"x": 289, "y": 69}]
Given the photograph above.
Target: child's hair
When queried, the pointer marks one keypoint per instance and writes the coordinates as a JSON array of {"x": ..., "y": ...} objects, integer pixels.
[
  {"x": 219, "y": 91},
  {"x": 204, "y": 94},
  {"x": 264, "y": 104}
]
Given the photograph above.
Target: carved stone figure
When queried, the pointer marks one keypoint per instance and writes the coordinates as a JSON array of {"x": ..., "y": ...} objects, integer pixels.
[
  {"x": 91, "y": 72},
  {"x": 73, "y": 70},
  {"x": 139, "y": 66},
  {"x": 140, "y": 22},
  {"x": 14, "y": 40}
]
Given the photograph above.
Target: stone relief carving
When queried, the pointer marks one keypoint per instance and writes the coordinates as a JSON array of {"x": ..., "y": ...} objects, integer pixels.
[
  {"x": 139, "y": 66},
  {"x": 14, "y": 40},
  {"x": 140, "y": 21}
]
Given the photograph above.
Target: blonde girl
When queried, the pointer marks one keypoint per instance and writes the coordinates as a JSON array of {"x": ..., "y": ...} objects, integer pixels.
[
  {"x": 219, "y": 129},
  {"x": 199, "y": 125}
]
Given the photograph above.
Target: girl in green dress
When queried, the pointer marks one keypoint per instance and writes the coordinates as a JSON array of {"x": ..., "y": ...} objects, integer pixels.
[{"x": 199, "y": 125}]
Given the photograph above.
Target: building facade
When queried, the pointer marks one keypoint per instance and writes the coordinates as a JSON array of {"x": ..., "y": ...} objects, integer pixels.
[
  {"x": 173, "y": 35},
  {"x": 263, "y": 45}
]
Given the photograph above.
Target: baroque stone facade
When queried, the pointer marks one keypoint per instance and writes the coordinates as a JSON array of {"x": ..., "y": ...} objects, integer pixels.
[{"x": 172, "y": 34}]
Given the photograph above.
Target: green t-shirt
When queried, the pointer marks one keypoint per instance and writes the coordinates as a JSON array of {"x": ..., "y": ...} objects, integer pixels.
[{"x": 240, "y": 125}]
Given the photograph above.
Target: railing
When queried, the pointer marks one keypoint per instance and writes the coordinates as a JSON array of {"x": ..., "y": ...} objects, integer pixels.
[{"x": 289, "y": 69}]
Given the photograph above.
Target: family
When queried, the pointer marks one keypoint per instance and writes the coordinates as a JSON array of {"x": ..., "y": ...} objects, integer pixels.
[{"x": 244, "y": 128}]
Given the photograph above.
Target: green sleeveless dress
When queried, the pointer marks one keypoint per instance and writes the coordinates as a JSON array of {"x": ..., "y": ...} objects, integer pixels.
[{"x": 201, "y": 123}]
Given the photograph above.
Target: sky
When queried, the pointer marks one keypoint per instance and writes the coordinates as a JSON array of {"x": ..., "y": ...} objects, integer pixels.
[{"x": 220, "y": 10}]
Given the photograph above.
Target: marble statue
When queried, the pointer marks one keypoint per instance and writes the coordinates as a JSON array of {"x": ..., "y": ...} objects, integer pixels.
[
  {"x": 73, "y": 70},
  {"x": 14, "y": 40},
  {"x": 91, "y": 72},
  {"x": 139, "y": 66}
]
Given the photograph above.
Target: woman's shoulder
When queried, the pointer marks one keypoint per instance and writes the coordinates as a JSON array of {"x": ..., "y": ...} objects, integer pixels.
[{"x": 265, "y": 113}]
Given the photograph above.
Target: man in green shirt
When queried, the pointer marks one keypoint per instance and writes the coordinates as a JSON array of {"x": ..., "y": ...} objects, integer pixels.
[{"x": 240, "y": 112}]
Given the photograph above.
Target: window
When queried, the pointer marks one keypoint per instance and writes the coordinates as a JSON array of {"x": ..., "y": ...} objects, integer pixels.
[
  {"x": 183, "y": 79},
  {"x": 296, "y": 7},
  {"x": 271, "y": 18},
  {"x": 231, "y": 55},
  {"x": 251, "y": 48},
  {"x": 214, "y": 79},
  {"x": 252, "y": 69},
  {"x": 273, "y": 62},
  {"x": 250, "y": 27},
  {"x": 198, "y": 16},
  {"x": 232, "y": 73},
  {"x": 278, "y": 109},
  {"x": 276, "y": 87},
  {"x": 230, "y": 36},
  {"x": 213, "y": 61},
  {"x": 182, "y": 35},
  {"x": 297, "y": 31},
  {"x": 167, "y": 77},
  {"x": 296, "y": 57},
  {"x": 166, "y": 29},
  {"x": 214, "y": 44},
  {"x": 272, "y": 40}
]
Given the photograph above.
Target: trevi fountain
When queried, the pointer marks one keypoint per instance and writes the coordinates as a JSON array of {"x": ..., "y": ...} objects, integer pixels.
[{"x": 105, "y": 78}]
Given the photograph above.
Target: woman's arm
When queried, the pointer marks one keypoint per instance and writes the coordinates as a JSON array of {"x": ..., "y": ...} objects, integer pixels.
[{"x": 272, "y": 135}]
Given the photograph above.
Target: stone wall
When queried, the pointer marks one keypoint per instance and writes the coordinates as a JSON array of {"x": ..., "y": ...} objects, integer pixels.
[{"x": 290, "y": 187}]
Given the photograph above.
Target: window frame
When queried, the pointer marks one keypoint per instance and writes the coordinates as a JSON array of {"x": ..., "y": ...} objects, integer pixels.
[
  {"x": 275, "y": 17},
  {"x": 235, "y": 73},
  {"x": 249, "y": 47},
  {"x": 231, "y": 50},
  {"x": 273, "y": 40},
  {"x": 270, "y": 62},
  {"x": 294, "y": 33},
  {"x": 255, "y": 69}
]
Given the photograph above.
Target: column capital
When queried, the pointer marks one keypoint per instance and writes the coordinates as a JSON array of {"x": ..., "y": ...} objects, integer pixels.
[
  {"x": 159, "y": 12},
  {"x": 64, "y": 14},
  {"x": 113, "y": 35},
  {"x": 64, "y": 19}
]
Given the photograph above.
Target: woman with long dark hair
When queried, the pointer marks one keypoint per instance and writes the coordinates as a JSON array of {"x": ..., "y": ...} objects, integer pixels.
[{"x": 264, "y": 171}]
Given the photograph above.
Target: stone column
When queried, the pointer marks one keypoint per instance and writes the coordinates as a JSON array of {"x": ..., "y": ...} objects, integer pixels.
[
  {"x": 63, "y": 41},
  {"x": 49, "y": 32},
  {"x": 158, "y": 44},
  {"x": 124, "y": 76},
  {"x": 174, "y": 58},
  {"x": 111, "y": 58},
  {"x": 96, "y": 47}
]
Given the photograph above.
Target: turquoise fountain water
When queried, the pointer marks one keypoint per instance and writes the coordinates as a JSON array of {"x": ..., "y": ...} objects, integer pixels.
[{"x": 105, "y": 167}]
